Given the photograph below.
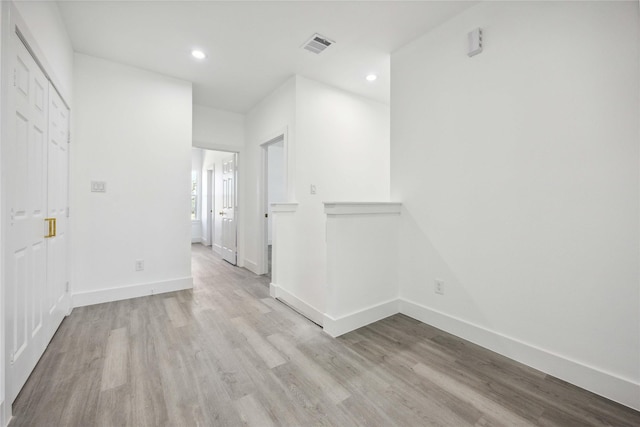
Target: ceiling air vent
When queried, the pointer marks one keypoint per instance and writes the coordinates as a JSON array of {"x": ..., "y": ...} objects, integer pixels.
[{"x": 317, "y": 43}]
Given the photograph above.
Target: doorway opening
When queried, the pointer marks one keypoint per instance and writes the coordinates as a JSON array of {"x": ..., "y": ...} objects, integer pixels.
[
  {"x": 274, "y": 191},
  {"x": 214, "y": 201}
]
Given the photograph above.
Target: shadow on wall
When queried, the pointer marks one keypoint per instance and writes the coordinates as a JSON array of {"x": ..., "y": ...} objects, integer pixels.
[{"x": 419, "y": 257}]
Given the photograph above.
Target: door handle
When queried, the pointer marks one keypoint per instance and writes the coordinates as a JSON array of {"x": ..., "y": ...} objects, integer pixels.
[
  {"x": 52, "y": 227},
  {"x": 221, "y": 212}
]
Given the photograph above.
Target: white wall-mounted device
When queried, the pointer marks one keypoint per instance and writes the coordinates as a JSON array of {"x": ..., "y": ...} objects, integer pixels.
[
  {"x": 475, "y": 42},
  {"x": 98, "y": 187}
]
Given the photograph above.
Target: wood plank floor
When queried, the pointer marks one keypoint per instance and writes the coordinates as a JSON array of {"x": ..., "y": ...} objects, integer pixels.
[{"x": 225, "y": 354}]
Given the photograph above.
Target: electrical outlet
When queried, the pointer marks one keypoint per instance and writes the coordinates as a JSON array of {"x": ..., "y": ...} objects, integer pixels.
[
  {"x": 312, "y": 189},
  {"x": 139, "y": 264},
  {"x": 439, "y": 287}
]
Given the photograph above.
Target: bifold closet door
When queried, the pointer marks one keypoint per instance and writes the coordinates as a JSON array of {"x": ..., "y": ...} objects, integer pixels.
[
  {"x": 36, "y": 160},
  {"x": 25, "y": 160},
  {"x": 58, "y": 299}
]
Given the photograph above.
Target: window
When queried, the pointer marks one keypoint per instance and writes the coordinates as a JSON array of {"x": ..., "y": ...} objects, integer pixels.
[{"x": 194, "y": 195}]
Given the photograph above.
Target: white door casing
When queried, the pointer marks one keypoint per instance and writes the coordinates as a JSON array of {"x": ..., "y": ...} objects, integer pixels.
[
  {"x": 228, "y": 212},
  {"x": 209, "y": 208},
  {"x": 33, "y": 175}
]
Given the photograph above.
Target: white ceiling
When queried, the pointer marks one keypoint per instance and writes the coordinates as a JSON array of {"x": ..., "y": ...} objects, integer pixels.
[{"x": 253, "y": 47}]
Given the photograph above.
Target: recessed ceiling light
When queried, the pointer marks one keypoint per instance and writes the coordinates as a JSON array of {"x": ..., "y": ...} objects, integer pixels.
[
  {"x": 371, "y": 77},
  {"x": 198, "y": 54}
]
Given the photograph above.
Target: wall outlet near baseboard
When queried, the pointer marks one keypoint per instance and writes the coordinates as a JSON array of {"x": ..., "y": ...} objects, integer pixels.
[
  {"x": 439, "y": 286},
  {"x": 139, "y": 264}
]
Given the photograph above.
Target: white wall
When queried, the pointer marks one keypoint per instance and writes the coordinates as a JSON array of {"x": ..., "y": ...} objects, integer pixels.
[
  {"x": 217, "y": 129},
  {"x": 342, "y": 147},
  {"x": 46, "y": 26},
  {"x": 270, "y": 118},
  {"x": 518, "y": 169},
  {"x": 338, "y": 142},
  {"x": 277, "y": 191},
  {"x": 51, "y": 42},
  {"x": 132, "y": 130},
  {"x": 362, "y": 266}
]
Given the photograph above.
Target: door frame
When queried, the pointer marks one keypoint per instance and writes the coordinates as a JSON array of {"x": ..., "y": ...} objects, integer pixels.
[
  {"x": 239, "y": 215},
  {"x": 263, "y": 196},
  {"x": 12, "y": 22},
  {"x": 231, "y": 191},
  {"x": 211, "y": 194}
]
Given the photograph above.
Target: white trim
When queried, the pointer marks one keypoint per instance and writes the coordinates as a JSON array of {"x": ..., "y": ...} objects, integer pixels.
[
  {"x": 210, "y": 221},
  {"x": 297, "y": 304},
  {"x": 273, "y": 290},
  {"x": 100, "y": 296},
  {"x": 360, "y": 208},
  {"x": 5, "y": 72},
  {"x": 217, "y": 147},
  {"x": 240, "y": 196},
  {"x": 196, "y": 239},
  {"x": 284, "y": 207},
  {"x": 263, "y": 202},
  {"x": 5, "y": 417},
  {"x": 251, "y": 265},
  {"x": 350, "y": 322},
  {"x": 611, "y": 386},
  {"x": 217, "y": 248}
]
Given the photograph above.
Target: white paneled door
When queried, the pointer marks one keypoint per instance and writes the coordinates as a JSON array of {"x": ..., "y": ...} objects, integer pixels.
[
  {"x": 35, "y": 181},
  {"x": 58, "y": 299},
  {"x": 228, "y": 212}
]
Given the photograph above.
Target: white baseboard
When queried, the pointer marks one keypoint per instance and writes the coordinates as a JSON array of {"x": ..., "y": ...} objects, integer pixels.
[
  {"x": 4, "y": 415},
  {"x": 196, "y": 240},
  {"x": 297, "y": 304},
  {"x": 100, "y": 296},
  {"x": 251, "y": 266},
  {"x": 342, "y": 325},
  {"x": 621, "y": 390},
  {"x": 273, "y": 290},
  {"x": 217, "y": 248}
]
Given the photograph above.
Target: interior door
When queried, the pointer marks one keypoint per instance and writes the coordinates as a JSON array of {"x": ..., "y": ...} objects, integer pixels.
[
  {"x": 58, "y": 300},
  {"x": 210, "y": 218},
  {"x": 25, "y": 163},
  {"x": 228, "y": 212}
]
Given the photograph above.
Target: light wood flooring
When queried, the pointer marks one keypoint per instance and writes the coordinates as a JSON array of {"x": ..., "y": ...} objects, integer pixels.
[{"x": 226, "y": 354}]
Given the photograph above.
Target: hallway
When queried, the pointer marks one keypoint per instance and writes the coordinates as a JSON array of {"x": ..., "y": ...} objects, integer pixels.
[{"x": 227, "y": 354}]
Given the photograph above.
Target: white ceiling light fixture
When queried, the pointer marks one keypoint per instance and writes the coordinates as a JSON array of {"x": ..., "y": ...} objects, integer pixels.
[
  {"x": 198, "y": 54},
  {"x": 371, "y": 77}
]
